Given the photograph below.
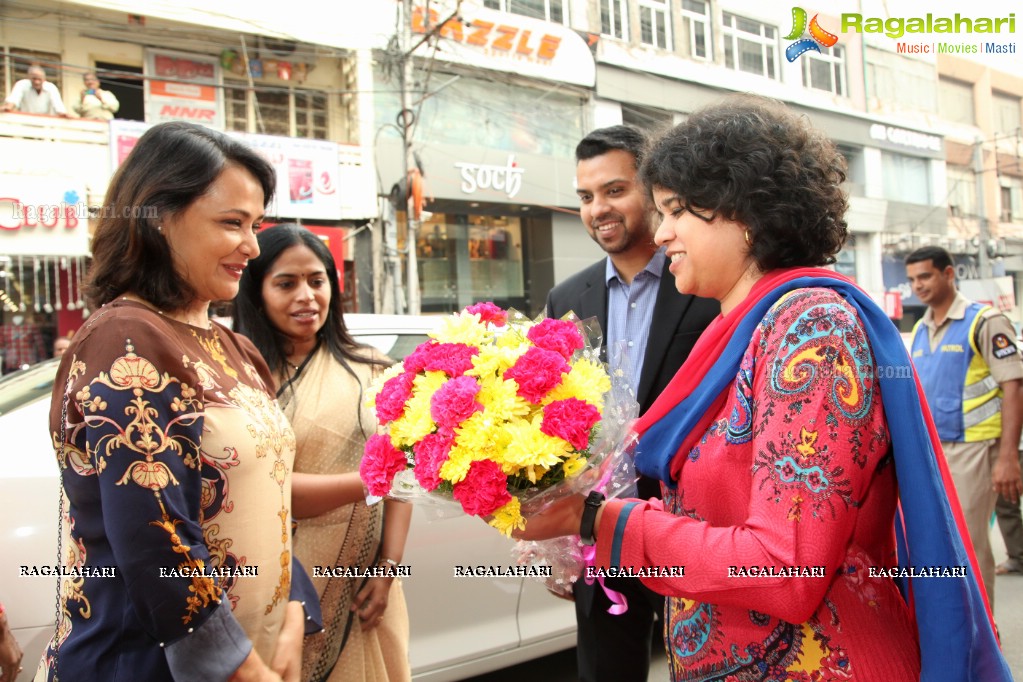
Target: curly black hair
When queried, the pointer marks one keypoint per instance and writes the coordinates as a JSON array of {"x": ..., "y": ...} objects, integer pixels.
[{"x": 751, "y": 160}]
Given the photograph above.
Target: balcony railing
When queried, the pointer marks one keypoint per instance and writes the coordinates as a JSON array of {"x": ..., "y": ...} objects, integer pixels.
[{"x": 54, "y": 128}]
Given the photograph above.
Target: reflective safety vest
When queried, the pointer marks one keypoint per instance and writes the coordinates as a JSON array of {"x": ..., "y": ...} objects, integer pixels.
[{"x": 964, "y": 398}]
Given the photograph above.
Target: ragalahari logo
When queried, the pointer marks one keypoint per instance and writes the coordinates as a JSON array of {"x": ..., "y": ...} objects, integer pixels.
[{"x": 818, "y": 36}]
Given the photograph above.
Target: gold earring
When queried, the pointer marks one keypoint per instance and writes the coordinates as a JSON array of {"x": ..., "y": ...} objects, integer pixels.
[{"x": 748, "y": 241}]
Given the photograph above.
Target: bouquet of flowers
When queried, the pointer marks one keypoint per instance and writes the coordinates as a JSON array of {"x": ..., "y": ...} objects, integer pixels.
[{"x": 495, "y": 411}]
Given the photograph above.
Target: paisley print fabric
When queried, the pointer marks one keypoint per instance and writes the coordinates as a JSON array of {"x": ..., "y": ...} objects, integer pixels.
[
  {"x": 789, "y": 502},
  {"x": 175, "y": 462}
]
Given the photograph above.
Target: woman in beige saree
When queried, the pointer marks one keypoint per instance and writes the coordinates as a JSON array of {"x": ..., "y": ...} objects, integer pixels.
[{"x": 289, "y": 305}]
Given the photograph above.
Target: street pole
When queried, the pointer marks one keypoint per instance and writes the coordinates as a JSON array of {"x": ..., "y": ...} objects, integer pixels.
[
  {"x": 983, "y": 261},
  {"x": 406, "y": 122}
]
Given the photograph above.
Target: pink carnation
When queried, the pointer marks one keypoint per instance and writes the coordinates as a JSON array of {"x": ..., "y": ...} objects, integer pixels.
[
  {"x": 455, "y": 401},
  {"x": 484, "y": 489},
  {"x": 488, "y": 312},
  {"x": 454, "y": 359},
  {"x": 380, "y": 463},
  {"x": 560, "y": 336},
  {"x": 392, "y": 397},
  {"x": 537, "y": 372},
  {"x": 431, "y": 453},
  {"x": 571, "y": 420}
]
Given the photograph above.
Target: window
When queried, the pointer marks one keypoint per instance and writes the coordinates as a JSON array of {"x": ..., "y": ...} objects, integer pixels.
[
  {"x": 236, "y": 109},
  {"x": 962, "y": 191},
  {"x": 654, "y": 28},
  {"x": 1006, "y": 110},
  {"x": 750, "y": 46},
  {"x": 1011, "y": 198},
  {"x": 906, "y": 178},
  {"x": 845, "y": 262},
  {"x": 17, "y": 61},
  {"x": 825, "y": 71},
  {"x": 465, "y": 258},
  {"x": 856, "y": 175},
  {"x": 895, "y": 83},
  {"x": 548, "y": 10},
  {"x": 955, "y": 101},
  {"x": 274, "y": 109},
  {"x": 612, "y": 18},
  {"x": 310, "y": 114},
  {"x": 551, "y": 125},
  {"x": 696, "y": 16},
  {"x": 650, "y": 119}
]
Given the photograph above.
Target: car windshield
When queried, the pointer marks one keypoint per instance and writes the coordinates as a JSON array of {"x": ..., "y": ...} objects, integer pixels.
[
  {"x": 26, "y": 385},
  {"x": 394, "y": 346}
]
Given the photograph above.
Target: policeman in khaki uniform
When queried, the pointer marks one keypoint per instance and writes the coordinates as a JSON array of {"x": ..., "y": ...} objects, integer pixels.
[{"x": 965, "y": 355}]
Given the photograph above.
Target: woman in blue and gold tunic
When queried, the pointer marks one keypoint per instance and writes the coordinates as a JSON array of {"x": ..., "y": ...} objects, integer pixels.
[{"x": 175, "y": 458}]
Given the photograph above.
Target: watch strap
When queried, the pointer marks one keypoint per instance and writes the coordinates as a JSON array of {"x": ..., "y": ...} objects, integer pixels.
[{"x": 590, "y": 508}]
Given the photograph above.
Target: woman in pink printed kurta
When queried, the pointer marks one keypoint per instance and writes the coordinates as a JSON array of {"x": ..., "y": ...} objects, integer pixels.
[
  {"x": 778, "y": 470},
  {"x": 794, "y": 473}
]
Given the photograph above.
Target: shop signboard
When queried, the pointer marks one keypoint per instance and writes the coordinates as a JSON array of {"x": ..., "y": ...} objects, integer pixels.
[
  {"x": 43, "y": 216},
  {"x": 484, "y": 38},
  {"x": 181, "y": 86}
]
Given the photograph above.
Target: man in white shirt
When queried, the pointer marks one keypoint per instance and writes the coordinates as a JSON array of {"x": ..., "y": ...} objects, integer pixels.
[{"x": 35, "y": 95}]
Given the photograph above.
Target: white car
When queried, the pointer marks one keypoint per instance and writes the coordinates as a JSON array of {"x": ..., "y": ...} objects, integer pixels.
[{"x": 461, "y": 626}]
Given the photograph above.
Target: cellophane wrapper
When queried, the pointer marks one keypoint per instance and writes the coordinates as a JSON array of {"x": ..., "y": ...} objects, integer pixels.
[
  {"x": 501, "y": 415},
  {"x": 560, "y": 561}
]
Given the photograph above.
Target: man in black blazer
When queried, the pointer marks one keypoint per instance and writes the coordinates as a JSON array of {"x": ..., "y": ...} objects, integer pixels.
[{"x": 633, "y": 296}]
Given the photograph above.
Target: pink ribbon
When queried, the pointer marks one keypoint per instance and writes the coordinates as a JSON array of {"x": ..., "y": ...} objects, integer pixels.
[{"x": 619, "y": 604}]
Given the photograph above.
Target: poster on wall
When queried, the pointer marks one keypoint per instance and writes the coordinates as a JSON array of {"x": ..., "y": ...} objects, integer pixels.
[
  {"x": 123, "y": 136},
  {"x": 307, "y": 170},
  {"x": 183, "y": 87},
  {"x": 307, "y": 175}
]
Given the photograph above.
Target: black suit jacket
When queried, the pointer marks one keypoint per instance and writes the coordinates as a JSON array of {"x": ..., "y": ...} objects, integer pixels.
[{"x": 677, "y": 322}]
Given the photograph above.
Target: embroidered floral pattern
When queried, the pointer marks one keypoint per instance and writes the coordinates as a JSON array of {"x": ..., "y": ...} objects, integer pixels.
[
  {"x": 785, "y": 466},
  {"x": 160, "y": 447}
]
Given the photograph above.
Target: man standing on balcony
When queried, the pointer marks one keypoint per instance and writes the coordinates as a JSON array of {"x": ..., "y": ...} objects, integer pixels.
[
  {"x": 35, "y": 95},
  {"x": 633, "y": 297},
  {"x": 965, "y": 355},
  {"x": 95, "y": 102}
]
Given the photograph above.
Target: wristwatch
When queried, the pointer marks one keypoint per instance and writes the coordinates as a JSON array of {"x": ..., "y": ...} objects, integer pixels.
[{"x": 590, "y": 508}]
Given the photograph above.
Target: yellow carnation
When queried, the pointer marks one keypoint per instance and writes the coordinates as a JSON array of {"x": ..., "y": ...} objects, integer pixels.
[
  {"x": 416, "y": 423},
  {"x": 530, "y": 449},
  {"x": 426, "y": 384},
  {"x": 494, "y": 360},
  {"x": 462, "y": 328},
  {"x": 508, "y": 518},
  {"x": 411, "y": 427},
  {"x": 587, "y": 381},
  {"x": 500, "y": 399},
  {"x": 482, "y": 435},
  {"x": 457, "y": 465},
  {"x": 573, "y": 465}
]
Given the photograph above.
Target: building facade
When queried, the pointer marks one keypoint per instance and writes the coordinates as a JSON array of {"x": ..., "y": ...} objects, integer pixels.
[
  {"x": 497, "y": 92},
  {"x": 294, "y": 101}
]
